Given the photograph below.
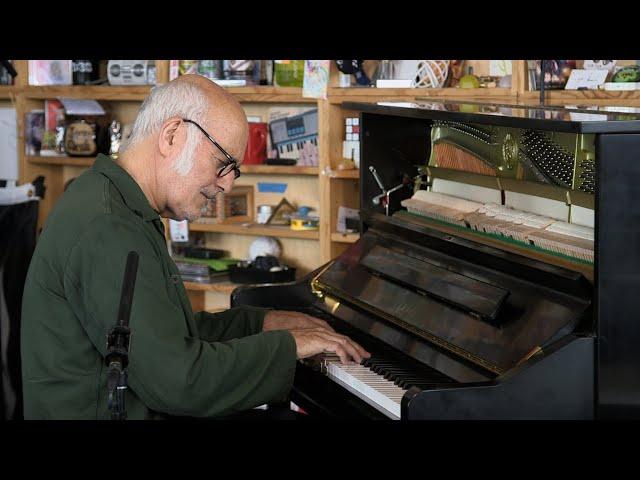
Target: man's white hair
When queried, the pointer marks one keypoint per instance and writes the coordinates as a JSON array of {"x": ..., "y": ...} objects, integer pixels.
[{"x": 174, "y": 99}]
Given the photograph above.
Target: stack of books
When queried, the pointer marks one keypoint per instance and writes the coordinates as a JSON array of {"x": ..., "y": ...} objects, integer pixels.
[{"x": 204, "y": 270}]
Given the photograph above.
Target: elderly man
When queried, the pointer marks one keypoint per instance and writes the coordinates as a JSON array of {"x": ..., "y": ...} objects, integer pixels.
[{"x": 182, "y": 151}]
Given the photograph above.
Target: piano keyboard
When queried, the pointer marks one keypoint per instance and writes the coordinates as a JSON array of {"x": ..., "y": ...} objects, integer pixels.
[
  {"x": 294, "y": 148},
  {"x": 380, "y": 393},
  {"x": 381, "y": 381}
]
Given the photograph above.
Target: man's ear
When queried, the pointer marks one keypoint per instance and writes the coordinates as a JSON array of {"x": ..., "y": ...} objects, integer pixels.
[{"x": 171, "y": 136}]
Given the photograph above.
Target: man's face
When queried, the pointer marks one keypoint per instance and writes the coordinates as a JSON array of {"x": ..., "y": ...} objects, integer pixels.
[{"x": 187, "y": 195}]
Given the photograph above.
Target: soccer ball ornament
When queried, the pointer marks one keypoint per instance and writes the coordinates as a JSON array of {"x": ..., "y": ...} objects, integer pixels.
[
  {"x": 264, "y": 246},
  {"x": 431, "y": 73}
]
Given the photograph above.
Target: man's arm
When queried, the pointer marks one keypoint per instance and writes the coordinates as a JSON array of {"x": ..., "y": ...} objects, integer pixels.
[
  {"x": 243, "y": 321},
  {"x": 235, "y": 322},
  {"x": 170, "y": 368}
]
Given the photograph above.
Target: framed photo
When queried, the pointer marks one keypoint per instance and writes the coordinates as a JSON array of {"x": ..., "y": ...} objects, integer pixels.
[
  {"x": 235, "y": 206},
  {"x": 50, "y": 72}
]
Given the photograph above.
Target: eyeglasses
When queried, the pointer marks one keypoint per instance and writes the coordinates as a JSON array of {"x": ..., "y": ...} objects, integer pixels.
[{"x": 232, "y": 163}]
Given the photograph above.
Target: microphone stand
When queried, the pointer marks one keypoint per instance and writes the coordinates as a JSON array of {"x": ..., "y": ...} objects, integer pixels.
[
  {"x": 118, "y": 340},
  {"x": 543, "y": 66}
]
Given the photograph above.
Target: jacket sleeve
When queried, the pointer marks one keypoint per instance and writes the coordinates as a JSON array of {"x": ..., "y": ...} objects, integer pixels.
[
  {"x": 235, "y": 322},
  {"x": 171, "y": 368}
]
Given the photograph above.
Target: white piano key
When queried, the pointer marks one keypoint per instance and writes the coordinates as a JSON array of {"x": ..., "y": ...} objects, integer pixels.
[{"x": 378, "y": 392}]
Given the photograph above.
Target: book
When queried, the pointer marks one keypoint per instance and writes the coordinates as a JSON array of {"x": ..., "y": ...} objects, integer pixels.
[
  {"x": 54, "y": 115},
  {"x": 33, "y": 132},
  {"x": 316, "y": 78},
  {"x": 288, "y": 73}
]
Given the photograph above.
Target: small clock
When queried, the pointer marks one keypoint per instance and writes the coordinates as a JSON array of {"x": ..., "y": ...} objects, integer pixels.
[{"x": 80, "y": 139}]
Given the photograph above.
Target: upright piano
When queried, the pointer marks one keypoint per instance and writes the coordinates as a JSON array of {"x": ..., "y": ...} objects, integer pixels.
[{"x": 497, "y": 274}]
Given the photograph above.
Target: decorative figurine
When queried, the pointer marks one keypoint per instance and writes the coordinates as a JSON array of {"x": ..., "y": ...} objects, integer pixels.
[{"x": 116, "y": 137}]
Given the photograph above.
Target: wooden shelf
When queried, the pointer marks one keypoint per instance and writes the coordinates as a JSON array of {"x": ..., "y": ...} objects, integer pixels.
[
  {"x": 338, "y": 95},
  {"x": 63, "y": 161},
  {"x": 627, "y": 97},
  {"x": 255, "y": 229},
  {"x": 247, "y": 169},
  {"x": 354, "y": 173},
  {"x": 262, "y": 94},
  {"x": 345, "y": 237},
  {"x": 269, "y": 94},
  {"x": 278, "y": 169},
  {"x": 220, "y": 287},
  {"x": 101, "y": 92},
  {"x": 7, "y": 91}
]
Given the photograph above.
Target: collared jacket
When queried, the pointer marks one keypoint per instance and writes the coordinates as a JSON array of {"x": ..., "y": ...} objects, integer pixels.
[{"x": 180, "y": 364}]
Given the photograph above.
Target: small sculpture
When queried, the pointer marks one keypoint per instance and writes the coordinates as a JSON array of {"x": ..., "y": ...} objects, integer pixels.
[
  {"x": 431, "y": 73},
  {"x": 116, "y": 137},
  {"x": 60, "y": 139}
]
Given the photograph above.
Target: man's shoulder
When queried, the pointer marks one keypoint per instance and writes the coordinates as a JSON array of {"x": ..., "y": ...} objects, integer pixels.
[
  {"x": 89, "y": 196},
  {"x": 90, "y": 204}
]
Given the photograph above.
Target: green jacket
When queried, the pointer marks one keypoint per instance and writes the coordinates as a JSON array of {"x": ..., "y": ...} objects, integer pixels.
[{"x": 201, "y": 365}]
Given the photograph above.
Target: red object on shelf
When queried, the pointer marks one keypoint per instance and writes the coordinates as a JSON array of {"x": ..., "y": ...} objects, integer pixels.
[{"x": 256, "y": 152}]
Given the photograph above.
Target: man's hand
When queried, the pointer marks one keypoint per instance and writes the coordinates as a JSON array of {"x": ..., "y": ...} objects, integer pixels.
[
  {"x": 284, "y": 320},
  {"x": 311, "y": 341}
]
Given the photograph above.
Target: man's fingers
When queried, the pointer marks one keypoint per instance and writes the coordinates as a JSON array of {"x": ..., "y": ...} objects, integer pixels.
[
  {"x": 354, "y": 349},
  {"x": 310, "y": 341},
  {"x": 361, "y": 350},
  {"x": 346, "y": 343},
  {"x": 338, "y": 349}
]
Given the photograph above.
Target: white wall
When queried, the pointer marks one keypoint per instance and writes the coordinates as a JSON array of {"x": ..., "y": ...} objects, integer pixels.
[{"x": 8, "y": 152}]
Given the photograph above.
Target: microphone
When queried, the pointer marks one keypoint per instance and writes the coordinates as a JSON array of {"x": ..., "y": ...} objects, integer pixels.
[{"x": 117, "y": 358}]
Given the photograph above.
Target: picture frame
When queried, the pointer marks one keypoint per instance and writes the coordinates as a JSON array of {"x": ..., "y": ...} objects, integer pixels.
[
  {"x": 50, "y": 72},
  {"x": 231, "y": 207}
]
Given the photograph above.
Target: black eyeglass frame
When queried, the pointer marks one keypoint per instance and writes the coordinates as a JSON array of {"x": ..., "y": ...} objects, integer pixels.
[{"x": 232, "y": 162}]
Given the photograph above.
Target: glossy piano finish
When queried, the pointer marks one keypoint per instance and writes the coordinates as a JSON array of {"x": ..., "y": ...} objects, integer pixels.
[
  {"x": 555, "y": 385},
  {"x": 618, "y": 276},
  {"x": 530, "y": 317},
  {"x": 530, "y": 390}
]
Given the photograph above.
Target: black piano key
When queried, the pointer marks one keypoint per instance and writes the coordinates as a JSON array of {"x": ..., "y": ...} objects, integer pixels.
[
  {"x": 380, "y": 368},
  {"x": 393, "y": 374}
]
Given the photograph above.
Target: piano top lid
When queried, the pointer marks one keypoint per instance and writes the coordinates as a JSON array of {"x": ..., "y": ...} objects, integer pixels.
[{"x": 570, "y": 119}]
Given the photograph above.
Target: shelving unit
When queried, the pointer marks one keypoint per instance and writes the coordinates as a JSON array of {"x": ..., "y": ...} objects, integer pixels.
[
  {"x": 629, "y": 98},
  {"x": 97, "y": 92},
  {"x": 269, "y": 94},
  {"x": 278, "y": 170},
  {"x": 218, "y": 292},
  {"x": 255, "y": 229},
  {"x": 353, "y": 174},
  {"x": 325, "y": 187},
  {"x": 345, "y": 237},
  {"x": 62, "y": 161},
  {"x": 337, "y": 95},
  {"x": 7, "y": 92}
]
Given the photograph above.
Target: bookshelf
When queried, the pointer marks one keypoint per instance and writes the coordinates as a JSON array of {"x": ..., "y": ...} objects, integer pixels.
[{"x": 325, "y": 187}]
